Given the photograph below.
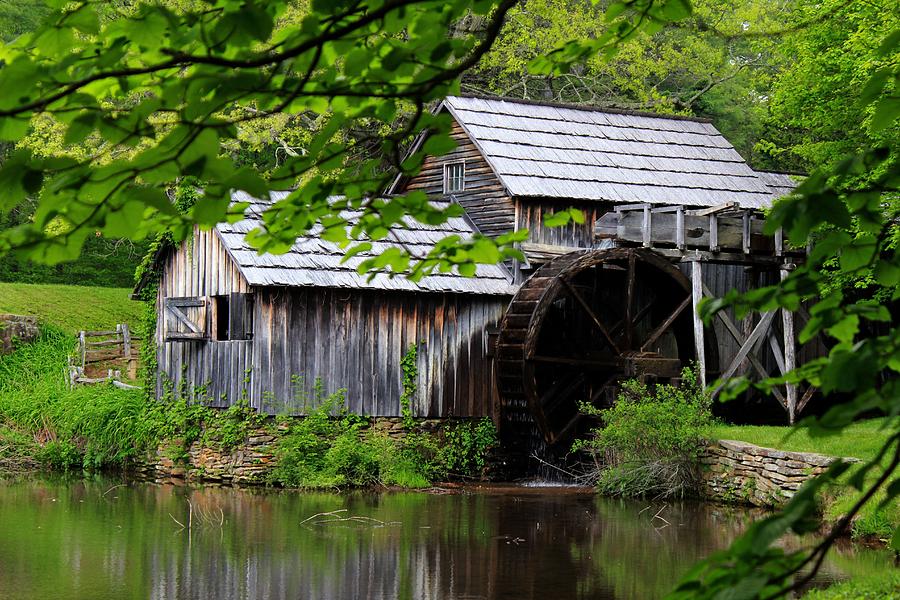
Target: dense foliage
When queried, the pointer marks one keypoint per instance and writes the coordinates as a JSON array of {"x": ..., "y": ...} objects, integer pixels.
[{"x": 649, "y": 441}]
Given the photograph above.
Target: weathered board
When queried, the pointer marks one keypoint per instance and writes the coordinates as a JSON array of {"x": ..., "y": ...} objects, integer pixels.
[
  {"x": 200, "y": 268},
  {"x": 355, "y": 340},
  {"x": 531, "y": 214},
  {"x": 351, "y": 339}
]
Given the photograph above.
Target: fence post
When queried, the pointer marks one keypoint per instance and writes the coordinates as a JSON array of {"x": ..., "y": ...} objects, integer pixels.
[{"x": 126, "y": 340}]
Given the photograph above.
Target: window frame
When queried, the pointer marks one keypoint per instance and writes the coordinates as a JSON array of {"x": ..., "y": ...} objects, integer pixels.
[{"x": 447, "y": 178}]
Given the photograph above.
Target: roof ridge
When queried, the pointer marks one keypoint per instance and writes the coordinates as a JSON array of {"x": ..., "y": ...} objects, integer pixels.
[
  {"x": 586, "y": 107},
  {"x": 782, "y": 172}
]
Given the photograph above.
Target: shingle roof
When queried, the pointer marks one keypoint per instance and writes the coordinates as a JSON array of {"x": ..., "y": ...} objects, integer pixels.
[
  {"x": 587, "y": 153},
  {"x": 781, "y": 184},
  {"x": 315, "y": 262}
]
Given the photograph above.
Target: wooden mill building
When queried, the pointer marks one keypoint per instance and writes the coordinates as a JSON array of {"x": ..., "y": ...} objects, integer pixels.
[{"x": 595, "y": 301}]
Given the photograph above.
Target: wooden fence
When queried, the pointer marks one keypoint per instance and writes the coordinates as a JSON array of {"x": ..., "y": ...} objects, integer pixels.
[{"x": 102, "y": 356}]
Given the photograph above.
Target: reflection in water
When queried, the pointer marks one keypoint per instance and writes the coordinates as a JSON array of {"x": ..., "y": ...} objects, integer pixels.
[{"x": 90, "y": 540}]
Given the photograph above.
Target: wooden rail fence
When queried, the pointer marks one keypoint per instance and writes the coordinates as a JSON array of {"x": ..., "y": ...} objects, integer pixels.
[{"x": 104, "y": 350}]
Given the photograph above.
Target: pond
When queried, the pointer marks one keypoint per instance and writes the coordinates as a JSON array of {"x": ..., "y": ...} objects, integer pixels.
[{"x": 103, "y": 539}]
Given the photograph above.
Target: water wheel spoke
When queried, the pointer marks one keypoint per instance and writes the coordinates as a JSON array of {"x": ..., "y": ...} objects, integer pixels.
[
  {"x": 567, "y": 429},
  {"x": 559, "y": 392},
  {"x": 636, "y": 319},
  {"x": 665, "y": 325},
  {"x": 609, "y": 381},
  {"x": 572, "y": 360},
  {"x": 590, "y": 313}
]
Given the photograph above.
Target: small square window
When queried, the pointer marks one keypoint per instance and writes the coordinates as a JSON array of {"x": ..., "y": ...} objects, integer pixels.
[{"x": 454, "y": 177}]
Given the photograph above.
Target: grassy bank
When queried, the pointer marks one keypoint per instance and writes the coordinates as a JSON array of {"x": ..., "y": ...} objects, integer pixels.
[
  {"x": 861, "y": 440},
  {"x": 70, "y": 308},
  {"x": 93, "y": 426},
  {"x": 44, "y": 424},
  {"x": 874, "y": 587}
]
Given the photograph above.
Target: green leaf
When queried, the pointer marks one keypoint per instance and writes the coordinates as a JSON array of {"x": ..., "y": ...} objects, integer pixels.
[
  {"x": 557, "y": 219},
  {"x": 438, "y": 144},
  {"x": 846, "y": 329},
  {"x": 886, "y": 112},
  {"x": 13, "y": 129},
  {"x": 857, "y": 255},
  {"x": 675, "y": 10}
]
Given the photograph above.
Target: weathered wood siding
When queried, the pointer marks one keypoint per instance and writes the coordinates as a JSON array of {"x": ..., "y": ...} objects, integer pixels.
[
  {"x": 484, "y": 198},
  {"x": 355, "y": 339},
  {"x": 530, "y": 215},
  {"x": 201, "y": 267}
]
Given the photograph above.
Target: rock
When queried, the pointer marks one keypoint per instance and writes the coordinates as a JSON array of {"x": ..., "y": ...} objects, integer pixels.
[{"x": 16, "y": 329}]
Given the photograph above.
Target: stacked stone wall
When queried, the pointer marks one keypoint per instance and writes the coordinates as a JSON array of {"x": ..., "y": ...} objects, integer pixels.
[
  {"x": 248, "y": 464},
  {"x": 735, "y": 471}
]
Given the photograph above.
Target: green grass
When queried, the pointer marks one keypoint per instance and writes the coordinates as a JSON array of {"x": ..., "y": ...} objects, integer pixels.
[
  {"x": 885, "y": 585},
  {"x": 860, "y": 440},
  {"x": 90, "y": 426},
  {"x": 71, "y": 308}
]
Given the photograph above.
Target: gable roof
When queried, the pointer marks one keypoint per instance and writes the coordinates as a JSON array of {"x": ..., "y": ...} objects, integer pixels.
[
  {"x": 573, "y": 152},
  {"x": 315, "y": 262}
]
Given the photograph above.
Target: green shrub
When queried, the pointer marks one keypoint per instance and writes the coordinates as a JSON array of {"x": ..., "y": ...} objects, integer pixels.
[
  {"x": 466, "y": 445},
  {"x": 650, "y": 440},
  {"x": 332, "y": 447},
  {"x": 325, "y": 449}
]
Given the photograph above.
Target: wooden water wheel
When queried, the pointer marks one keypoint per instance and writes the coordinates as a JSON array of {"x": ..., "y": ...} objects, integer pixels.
[{"x": 584, "y": 322}]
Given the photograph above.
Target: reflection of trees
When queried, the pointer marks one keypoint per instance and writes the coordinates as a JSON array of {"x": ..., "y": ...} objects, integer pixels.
[
  {"x": 87, "y": 540},
  {"x": 639, "y": 555}
]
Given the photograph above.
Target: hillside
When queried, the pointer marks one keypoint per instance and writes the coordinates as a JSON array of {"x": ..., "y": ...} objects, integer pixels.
[{"x": 70, "y": 307}]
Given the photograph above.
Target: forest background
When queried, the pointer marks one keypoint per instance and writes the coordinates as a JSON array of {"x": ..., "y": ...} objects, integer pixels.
[{"x": 780, "y": 78}]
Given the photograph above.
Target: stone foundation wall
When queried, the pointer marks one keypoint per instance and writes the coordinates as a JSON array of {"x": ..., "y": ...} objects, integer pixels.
[
  {"x": 16, "y": 329},
  {"x": 740, "y": 472},
  {"x": 248, "y": 464}
]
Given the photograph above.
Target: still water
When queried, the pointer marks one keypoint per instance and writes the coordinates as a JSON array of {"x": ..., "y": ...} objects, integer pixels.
[{"x": 103, "y": 539}]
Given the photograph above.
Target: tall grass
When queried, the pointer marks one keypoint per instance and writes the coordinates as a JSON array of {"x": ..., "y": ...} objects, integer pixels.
[{"x": 90, "y": 426}]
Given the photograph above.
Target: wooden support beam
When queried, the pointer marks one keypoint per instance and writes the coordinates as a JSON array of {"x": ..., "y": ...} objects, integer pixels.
[
  {"x": 745, "y": 235},
  {"x": 790, "y": 357},
  {"x": 779, "y": 242},
  {"x": 777, "y": 353},
  {"x": 629, "y": 301},
  {"x": 647, "y": 225},
  {"x": 713, "y": 210},
  {"x": 761, "y": 329},
  {"x": 807, "y": 396},
  {"x": 679, "y": 228},
  {"x": 740, "y": 338},
  {"x": 713, "y": 233},
  {"x": 696, "y": 296}
]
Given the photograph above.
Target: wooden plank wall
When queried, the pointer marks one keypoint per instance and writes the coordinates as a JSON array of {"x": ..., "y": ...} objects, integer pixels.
[
  {"x": 530, "y": 214},
  {"x": 355, "y": 339},
  {"x": 484, "y": 197},
  {"x": 201, "y": 267}
]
